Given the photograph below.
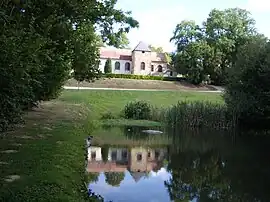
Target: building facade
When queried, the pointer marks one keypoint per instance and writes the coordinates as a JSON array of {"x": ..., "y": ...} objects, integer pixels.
[
  {"x": 137, "y": 160},
  {"x": 139, "y": 61}
]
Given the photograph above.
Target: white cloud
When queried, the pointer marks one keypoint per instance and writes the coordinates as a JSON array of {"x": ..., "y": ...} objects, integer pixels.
[{"x": 156, "y": 26}]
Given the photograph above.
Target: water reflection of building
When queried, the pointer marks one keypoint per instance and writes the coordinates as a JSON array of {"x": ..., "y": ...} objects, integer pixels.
[{"x": 138, "y": 160}]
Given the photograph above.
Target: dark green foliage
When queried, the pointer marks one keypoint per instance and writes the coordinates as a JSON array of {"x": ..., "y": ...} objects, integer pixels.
[
  {"x": 144, "y": 77},
  {"x": 104, "y": 153},
  {"x": 138, "y": 110},
  {"x": 114, "y": 178},
  {"x": 86, "y": 53},
  {"x": 41, "y": 42},
  {"x": 108, "y": 66},
  {"x": 210, "y": 49},
  {"x": 248, "y": 89}
]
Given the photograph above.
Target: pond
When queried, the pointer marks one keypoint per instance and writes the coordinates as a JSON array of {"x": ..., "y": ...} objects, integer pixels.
[{"x": 178, "y": 166}]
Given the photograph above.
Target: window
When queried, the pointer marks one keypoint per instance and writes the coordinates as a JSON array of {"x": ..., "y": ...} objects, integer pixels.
[
  {"x": 117, "y": 66},
  {"x": 159, "y": 68},
  {"x": 152, "y": 68},
  {"x": 139, "y": 157},
  {"x": 93, "y": 155},
  {"x": 124, "y": 154},
  {"x": 142, "y": 66},
  {"x": 143, "y": 51},
  {"x": 114, "y": 156},
  {"x": 127, "y": 66}
]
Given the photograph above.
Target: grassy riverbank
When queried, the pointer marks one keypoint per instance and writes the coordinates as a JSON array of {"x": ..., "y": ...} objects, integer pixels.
[{"x": 43, "y": 159}]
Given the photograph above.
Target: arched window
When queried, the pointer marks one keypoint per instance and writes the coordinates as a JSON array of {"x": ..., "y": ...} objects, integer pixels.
[
  {"x": 159, "y": 68},
  {"x": 127, "y": 66},
  {"x": 142, "y": 66},
  {"x": 117, "y": 66}
]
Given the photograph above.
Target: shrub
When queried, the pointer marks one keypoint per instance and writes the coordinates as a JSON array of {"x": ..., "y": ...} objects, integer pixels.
[
  {"x": 108, "y": 66},
  {"x": 144, "y": 77},
  {"x": 248, "y": 89},
  {"x": 199, "y": 115},
  {"x": 137, "y": 110}
]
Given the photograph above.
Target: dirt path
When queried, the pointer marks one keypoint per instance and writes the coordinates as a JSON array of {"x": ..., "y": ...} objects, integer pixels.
[
  {"x": 133, "y": 84},
  {"x": 125, "y": 89}
]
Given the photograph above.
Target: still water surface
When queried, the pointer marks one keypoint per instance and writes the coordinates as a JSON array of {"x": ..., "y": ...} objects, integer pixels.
[{"x": 192, "y": 166}]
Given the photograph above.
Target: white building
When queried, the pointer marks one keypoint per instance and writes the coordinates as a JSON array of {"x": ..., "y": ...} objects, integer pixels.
[{"x": 139, "y": 61}]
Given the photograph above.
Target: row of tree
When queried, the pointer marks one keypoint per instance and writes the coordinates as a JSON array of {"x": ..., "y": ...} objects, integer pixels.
[
  {"x": 42, "y": 41},
  {"x": 209, "y": 51},
  {"x": 228, "y": 50}
]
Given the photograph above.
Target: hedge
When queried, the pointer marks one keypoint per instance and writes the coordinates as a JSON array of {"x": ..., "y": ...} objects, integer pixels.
[{"x": 143, "y": 77}]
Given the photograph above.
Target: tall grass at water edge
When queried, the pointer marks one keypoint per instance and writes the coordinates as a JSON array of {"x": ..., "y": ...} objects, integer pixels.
[
  {"x": 199, "y": 115},
  {"x": 186, "y": 114}
]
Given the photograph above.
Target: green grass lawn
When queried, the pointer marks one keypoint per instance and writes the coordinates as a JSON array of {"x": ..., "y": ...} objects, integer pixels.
[
  {"x": 45, "y": 156},
  {"x": 101, "y": 101}
]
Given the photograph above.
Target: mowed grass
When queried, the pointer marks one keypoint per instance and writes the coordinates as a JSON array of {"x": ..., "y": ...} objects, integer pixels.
[
  {"x": 45, "y": 157},
  {"x": 101, "y": 101},
  {"x": 43, "y": 160}
]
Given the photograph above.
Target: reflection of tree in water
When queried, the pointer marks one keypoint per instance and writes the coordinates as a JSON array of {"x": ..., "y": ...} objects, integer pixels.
[
  {"x": 114, "y": 178},
  {"x": 92, "y": 177},
  {"x": 212, "y": 171},
  {"x": 196, "y": 176},
  {"x": 104, "y": 153}
]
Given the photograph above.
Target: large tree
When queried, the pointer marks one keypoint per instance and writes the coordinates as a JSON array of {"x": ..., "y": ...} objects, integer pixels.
[
  {"x": 220, "y": 35},
  {"x": 248, "y": 90},
  {"x": 41, "y": 41},
  {"x": 192, "y": 49},
  {"x": 85, "y": 61},
  {"x": 226, "y": 30},
  {"x": 185, "y": 33}
]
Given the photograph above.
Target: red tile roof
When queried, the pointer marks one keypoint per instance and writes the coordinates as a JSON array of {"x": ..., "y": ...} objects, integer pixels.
[
  {"x": 97, "y": 166},
  {"x": 116, "y": 54}
]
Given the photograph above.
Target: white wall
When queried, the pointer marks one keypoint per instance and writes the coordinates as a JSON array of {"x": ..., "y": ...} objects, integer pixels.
[
  {"x": 102, "y": 64},
  {"x": 119, "y": 152},
  {"x": 156, "y": 65},
  {"x": 97, "y": 150},
  {"x": 122, "y": 66}
]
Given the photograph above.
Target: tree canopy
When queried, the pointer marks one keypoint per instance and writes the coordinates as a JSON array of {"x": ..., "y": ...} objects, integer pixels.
[
  {"x": 42, "y": 41},
  {"x": 248, "y": 90},
  {"x": 160, "y": 50},
  {"x": 210, "y": 49},
  {"x": 114, "y": 178}
]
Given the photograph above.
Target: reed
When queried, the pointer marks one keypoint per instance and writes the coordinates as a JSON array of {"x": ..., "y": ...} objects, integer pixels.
[{"x": 199, "y": 115}]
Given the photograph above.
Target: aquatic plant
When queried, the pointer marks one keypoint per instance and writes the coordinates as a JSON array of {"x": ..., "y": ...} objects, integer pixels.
[{"x": 198, "y": 115}]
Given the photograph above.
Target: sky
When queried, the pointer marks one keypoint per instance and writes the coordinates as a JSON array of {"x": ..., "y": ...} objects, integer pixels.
[{"x": 158, "y": 18}]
